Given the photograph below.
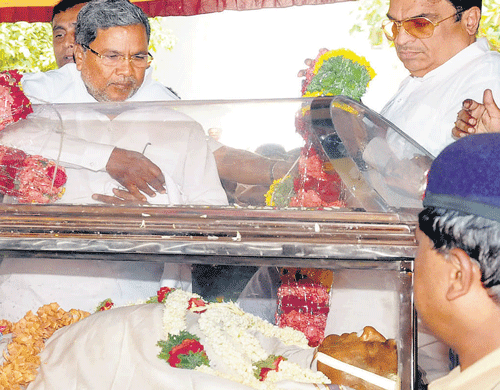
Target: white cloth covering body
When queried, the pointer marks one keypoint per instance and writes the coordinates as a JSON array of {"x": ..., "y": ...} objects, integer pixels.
[
  {"x": 117, "y": 349},
  {"x": 426, "y": 107},
  {"x": 175, "y": 142}
]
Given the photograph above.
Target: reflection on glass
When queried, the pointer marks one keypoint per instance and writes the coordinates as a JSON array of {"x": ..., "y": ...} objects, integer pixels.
[{"x": 329, "y": 152}]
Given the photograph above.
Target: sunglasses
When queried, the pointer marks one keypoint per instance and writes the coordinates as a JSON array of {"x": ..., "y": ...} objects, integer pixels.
[{"x": 418, "y": 27}]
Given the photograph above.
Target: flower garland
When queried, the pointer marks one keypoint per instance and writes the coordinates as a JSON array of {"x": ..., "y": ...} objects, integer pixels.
[
  {"x": 29, "y": 335},
  {"x": 338, "y": 72},
  {"x": 333, "y": 72},
  {"x": 229, "y": 332},
  {"x": 316, "y": 186},
  {"x": 227, "y": 329},
  {"x": 14, "y": 105},
  {"x": 31, "y": 179}
]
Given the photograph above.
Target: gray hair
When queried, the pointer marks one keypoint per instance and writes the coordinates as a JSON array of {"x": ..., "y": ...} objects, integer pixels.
[
  {"x": 477, "y": 236},
  {"x": 102, "y": 14}
]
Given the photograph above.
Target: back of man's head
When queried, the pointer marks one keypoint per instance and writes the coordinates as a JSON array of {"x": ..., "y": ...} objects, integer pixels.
[
  {"x": 462, "y": 204},
  {"x": 103, "y": 14},
  {"x": 65, "y": 5}
]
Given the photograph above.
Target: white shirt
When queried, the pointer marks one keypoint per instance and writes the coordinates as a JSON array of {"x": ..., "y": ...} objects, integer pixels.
[
  {"x": 65, "y": 85},
  {"x": 171, "y": 139},
  {"x": 482, "y": 375},
  {"x": 175, "y": 142},
  {"x": 426, "y": 107}
]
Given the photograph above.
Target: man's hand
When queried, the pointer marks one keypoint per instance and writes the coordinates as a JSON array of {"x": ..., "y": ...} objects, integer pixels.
[
  {"x": 136, "y": 173},
  {"x": 309, "y": 62},
  {"x": 122, "y": 197},
  {"x": 475, "y": 118}
]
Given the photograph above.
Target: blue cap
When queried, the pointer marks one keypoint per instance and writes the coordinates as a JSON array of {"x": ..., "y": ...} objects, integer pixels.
[{"x": 465, "y": 177}]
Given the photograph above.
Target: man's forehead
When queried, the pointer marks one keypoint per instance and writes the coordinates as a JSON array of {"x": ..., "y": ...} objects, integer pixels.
[
  {"x": 69, "y": 16},
  {"x": 119, "y": 35}
]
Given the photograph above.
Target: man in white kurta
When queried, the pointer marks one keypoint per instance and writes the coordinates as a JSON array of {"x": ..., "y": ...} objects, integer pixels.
[
  {"x": 426, "y": 107},
  {"x": 172, "y": 140},
  {"x": 176, "y": 143}
]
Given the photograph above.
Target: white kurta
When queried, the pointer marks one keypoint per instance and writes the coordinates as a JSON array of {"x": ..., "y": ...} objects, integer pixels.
[
  {"x": 175, "y": 142},
  {"x": 482, "y": 375},
  {"x": 426, "y": 107},
  {"x": 172, "y": 140},
  {"x": 65, "y": 85}
]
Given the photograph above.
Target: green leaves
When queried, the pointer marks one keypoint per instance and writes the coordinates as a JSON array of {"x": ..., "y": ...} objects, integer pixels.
[
  {"x": 183, "y": 351},
  {"x": 26, "y": 47},
  {"x": 341, "y": 76}
]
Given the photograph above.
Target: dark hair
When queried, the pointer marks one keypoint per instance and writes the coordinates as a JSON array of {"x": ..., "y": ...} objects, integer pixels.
[
  {"x": 65, "y": 5},
  {"x": 464, "y": 5},
  {"x": 477, "y": 236},
  {"x": 102, "y": 14}
]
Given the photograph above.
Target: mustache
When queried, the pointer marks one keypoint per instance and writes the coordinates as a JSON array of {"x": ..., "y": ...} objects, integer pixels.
[
  {"x": 128, "y": 80},
  {"x": 406, "y": 48}
]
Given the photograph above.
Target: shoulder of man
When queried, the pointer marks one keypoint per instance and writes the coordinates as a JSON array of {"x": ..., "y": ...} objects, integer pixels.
[
  {"x": 48, "y": 87},
  {"x": 152, "y": 90}
]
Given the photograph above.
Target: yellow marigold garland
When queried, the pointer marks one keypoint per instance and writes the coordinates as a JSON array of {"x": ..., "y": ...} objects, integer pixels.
[
  {"x": 29, "y": 335},
  {"x": 338, "y": 72},
  {"x": 349, "y": 54}
]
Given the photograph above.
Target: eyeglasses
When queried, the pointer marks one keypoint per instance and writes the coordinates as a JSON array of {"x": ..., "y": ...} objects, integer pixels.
[
  {"x": 137, "y": 60},
  {"x": 418, "y": 27}
]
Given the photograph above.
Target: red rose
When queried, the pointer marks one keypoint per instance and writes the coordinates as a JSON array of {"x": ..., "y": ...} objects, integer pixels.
[
  {"x": 162, "y": 293},
  {"x": 105, "y": 305},
  {"x": 61, "y": 177},
  {"x": 188, "y": 345},
  {"x": 197, "y": 302}
]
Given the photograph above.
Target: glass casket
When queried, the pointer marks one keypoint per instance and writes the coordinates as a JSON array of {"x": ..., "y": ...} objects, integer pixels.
[{"x": 363, "y": 241}]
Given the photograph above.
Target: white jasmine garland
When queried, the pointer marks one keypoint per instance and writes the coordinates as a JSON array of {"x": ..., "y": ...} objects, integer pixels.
[
  {"x": 174, "y": 313},
  {"x": 228, "y": 331}
]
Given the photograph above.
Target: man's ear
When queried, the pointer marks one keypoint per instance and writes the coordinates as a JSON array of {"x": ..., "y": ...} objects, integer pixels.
[
  {"x": 78, "y": 56},
  {"x": 462, "y": 273},
  {"x": 471, "y": 19}
]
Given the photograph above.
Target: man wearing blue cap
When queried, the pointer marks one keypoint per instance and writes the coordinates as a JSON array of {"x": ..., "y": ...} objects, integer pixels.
[{"x": 457, "y": 267}]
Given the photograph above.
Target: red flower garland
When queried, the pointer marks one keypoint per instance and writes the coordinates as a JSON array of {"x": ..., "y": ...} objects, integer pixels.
[
  {"x": 316, "y": 186},
  {"x": 14, "y": 105},
  {"x": 31, "y": 179}
]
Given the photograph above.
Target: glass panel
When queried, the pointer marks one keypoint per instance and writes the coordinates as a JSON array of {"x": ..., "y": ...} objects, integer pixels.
[
  {"x": 346, "y": 157},
  {"x": 353, "y": 225}
]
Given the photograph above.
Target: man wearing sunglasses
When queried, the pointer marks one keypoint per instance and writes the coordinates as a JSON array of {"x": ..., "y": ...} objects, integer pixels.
[{"x": 436, "y": 41}]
